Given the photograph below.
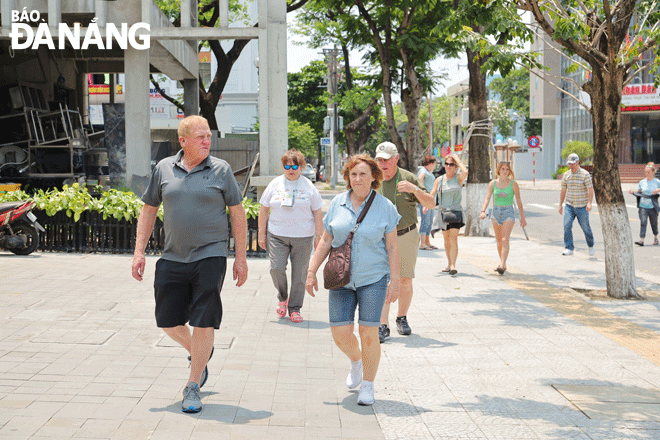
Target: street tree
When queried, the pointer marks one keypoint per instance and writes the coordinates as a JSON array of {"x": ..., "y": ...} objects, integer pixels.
[
  {"x": 325, "y": 23},
  {"x": 606, "y": 39},
  {"x": 487, "y": 28},
  {"x": 402, "y": 38},
  {"x": 208, "y": 15}
]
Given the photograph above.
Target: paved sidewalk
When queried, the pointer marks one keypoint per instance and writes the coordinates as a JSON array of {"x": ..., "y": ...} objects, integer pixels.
[{"x": 519, "y": 356}]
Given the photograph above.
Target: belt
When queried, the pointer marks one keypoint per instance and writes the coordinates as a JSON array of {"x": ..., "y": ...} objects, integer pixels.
[{"x": 406, "y": 230}]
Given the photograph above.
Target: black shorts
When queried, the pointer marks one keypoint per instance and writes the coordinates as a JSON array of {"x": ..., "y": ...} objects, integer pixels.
[
  {"x": 189, "y": 292},
  {"x": 457, "y": 225}
]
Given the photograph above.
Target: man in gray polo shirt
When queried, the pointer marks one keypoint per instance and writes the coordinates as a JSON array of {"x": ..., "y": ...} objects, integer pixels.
[{"x": 195, "y": 190}]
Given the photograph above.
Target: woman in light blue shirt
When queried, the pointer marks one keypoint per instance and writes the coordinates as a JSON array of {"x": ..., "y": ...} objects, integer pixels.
[
  {"x": 374, "y": 269},
  {"x": 648, "y": 189}
]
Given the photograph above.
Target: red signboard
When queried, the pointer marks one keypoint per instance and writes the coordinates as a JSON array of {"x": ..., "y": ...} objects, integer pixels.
[{"x": 640, "y": 108}]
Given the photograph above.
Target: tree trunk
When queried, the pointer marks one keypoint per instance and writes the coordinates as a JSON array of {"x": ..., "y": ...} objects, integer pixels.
[
  {"x": 359, "y": 130},
  {"x": 479, "y": 144},
  {"x": 411, "y": 97},
  {"x": 605, "y": 89}
]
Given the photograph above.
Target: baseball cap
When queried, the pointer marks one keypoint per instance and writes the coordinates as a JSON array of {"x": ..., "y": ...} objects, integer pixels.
[
  {"x": 572, "y": 158},
  {"x": 386, "y": 150}
]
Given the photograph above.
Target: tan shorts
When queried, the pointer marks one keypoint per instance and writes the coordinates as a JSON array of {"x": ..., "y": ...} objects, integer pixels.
[{"x": 408, "y": 246}]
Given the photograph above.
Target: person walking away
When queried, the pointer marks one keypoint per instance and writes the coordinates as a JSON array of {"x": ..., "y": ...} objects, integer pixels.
[
  {"x": 405, "y": 191},
  {"x": 648, "y": 207},
  {"x": 425, "y": 175},
  {"x": 291, "y": 208},
  {"x": 374, "y": 272},
  {"x": 448, "y": 190},
  {"x": 196, "y": 190},
  {"x": 503, "y": 189},
  {"x": 578, "y": 192}
]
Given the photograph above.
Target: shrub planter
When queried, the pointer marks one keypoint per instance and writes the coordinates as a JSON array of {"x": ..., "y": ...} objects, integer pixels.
[{"x": 93, "y": 234}]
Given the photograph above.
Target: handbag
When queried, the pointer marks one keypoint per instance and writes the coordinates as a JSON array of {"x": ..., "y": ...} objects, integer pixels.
[
  {"x": 449, "y": 215},
  {"x": 337, "y": 271}
]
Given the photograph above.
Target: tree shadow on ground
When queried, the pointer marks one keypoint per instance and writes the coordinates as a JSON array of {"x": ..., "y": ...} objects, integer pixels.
[{"x": 557, "y": 420}]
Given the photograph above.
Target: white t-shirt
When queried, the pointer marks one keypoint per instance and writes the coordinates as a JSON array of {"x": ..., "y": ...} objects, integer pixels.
[{"x": 296, "y": 220}]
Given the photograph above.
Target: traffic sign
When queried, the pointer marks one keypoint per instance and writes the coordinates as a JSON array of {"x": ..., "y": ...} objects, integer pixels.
[
  {"x": 325, "y": 142},
  {"x": 533, "y": 141}
]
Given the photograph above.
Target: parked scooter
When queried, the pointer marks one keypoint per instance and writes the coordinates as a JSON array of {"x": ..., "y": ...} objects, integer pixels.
[{"x": 19, "y": 229}]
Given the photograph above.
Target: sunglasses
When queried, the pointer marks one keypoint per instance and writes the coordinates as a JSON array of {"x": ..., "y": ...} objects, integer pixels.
[
  {"x": 505, "y": 163},
  {"x": 450, "y": 164},
  {"x": 289, "y": 167}
]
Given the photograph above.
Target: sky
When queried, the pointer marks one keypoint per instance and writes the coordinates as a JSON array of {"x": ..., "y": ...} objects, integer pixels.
[{"x": 299, "y": 56}]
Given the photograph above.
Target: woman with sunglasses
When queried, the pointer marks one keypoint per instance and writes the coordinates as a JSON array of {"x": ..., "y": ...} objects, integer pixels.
[
  {"x": 503, "y": 189},
  {"x": 291, "y": 208},
  {"x": 447, "y": 189}
]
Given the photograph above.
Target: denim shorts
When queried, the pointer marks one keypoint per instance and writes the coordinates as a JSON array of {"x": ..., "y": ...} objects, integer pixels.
[
  {"x": 503, "y": 213},
  {"x": 369, "y": 298}
]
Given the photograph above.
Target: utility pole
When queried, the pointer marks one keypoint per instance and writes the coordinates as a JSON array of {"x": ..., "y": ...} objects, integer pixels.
[{"x": 331, "y": 61}]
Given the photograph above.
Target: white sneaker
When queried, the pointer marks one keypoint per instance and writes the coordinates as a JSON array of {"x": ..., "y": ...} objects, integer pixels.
[
  {"x": 567, "y": 252},
  {"x": 366, "y": 396},
  {"x": 354, "y": 378},
  {"x": 592, "y": 251}
]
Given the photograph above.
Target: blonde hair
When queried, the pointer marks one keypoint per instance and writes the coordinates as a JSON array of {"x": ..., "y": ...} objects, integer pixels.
[
  {"x": 650, "y": 165},
  {"x": 499, "y": 165},
  {"x": 186, "y": 125},
  {"x": 353, "y": 161}
]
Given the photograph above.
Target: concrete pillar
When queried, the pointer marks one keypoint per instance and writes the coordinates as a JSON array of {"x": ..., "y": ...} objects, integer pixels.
[
  {"x": 273, "y": 121},
  {"x": 5, "y": 9},
  {"x": 101, "y": 11},
  {"x": 190, "y": 97},
  {"x": 54, "y": 13},
  {"x": 138, "y": 133}
]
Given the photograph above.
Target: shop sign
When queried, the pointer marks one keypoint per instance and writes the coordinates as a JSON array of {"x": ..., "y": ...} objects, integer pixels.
[{"x": 640, "y": 98}]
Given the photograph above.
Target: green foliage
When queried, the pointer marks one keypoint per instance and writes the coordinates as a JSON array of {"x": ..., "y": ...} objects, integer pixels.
[
  {"x": 74, "y": 200},
  {"x": 582, "y": 148},
  {"x": 306, "y": 96},
  {"x": 560, "y": 172},
  {"x": 302, "y": 138},
  {"x": 498, "y": 112},
  {"x": 251, "y": 208}
]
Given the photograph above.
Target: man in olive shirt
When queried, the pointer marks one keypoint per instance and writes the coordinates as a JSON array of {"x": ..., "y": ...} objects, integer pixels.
[{"x": 405, "y": 191}]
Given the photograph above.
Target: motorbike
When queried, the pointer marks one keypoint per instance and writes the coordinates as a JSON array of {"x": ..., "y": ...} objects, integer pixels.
[{"x": 19, "y": 229}]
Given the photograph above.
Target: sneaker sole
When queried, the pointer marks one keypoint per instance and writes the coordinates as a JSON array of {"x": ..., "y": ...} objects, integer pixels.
[
  {"x": 191, "y": 409},
  {"x": 404, "y": 333}
]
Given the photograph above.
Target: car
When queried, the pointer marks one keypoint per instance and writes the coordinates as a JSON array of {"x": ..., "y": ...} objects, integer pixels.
[{"x": 309, "y": 172}]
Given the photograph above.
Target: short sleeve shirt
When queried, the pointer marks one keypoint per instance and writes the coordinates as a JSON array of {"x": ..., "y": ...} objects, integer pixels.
[
  {"x": 291, "y": 221},
  {"x": 405, "y": 203},
  {"x": 577, "y": 185},
  {"x": 369, "y": 261},
  {"x": 194, "y": 206},
  {"x": 450, "y": 192},
  {"x": 647, "y": 187}
]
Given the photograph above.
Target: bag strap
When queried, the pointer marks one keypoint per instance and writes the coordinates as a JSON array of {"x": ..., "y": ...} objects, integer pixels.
[
  {"x": 364, "y": 212},
  {"x": 367, "y": 206}
]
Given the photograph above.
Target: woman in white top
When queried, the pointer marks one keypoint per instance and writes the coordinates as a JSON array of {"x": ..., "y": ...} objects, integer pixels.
[{"x": 295, "y": 223}]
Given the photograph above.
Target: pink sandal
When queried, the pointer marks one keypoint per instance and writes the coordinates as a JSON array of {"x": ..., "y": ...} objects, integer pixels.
[
  {"x": 281, "y": 308},
  {"x": 296, "y": 317}
]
